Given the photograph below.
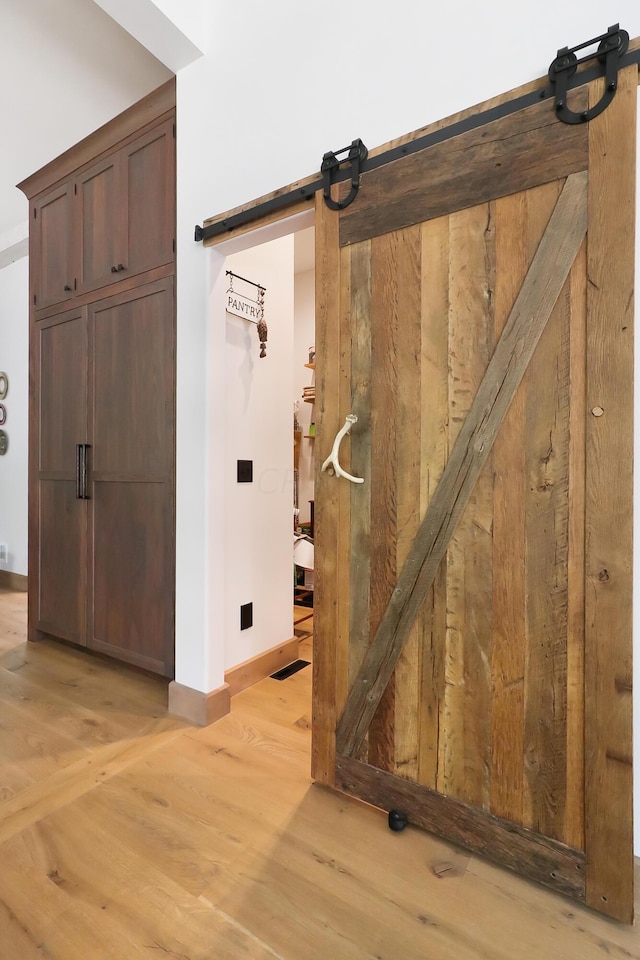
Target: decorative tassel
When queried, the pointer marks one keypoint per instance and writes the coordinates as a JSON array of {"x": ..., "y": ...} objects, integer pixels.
[{"x": 262, "y": 325}]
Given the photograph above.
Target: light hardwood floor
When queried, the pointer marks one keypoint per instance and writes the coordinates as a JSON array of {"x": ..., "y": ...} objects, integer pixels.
[{"x": 125, "y": 833}]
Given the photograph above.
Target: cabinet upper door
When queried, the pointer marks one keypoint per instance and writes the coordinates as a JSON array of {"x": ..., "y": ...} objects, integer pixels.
[
  {"x": 53, "y": 271},
  {"x": 101, "y": 224},
  {"x": 126, "y": 210},
  {"x": 150, "y": 182}
]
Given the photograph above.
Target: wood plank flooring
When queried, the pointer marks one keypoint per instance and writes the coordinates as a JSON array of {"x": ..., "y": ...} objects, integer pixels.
[{"x": 125, "y": 833}]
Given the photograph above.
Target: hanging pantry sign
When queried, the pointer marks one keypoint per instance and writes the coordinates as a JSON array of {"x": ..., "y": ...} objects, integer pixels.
[
  {"x": 243, "y": 307},
  {"x": 240, "y": 305}
]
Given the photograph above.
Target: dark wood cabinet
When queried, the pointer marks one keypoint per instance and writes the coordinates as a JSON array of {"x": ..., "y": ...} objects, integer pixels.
[{"x": 102, "y": 399}]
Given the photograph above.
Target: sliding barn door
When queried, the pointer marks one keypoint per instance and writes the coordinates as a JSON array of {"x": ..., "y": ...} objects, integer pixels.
[{"x": 473, "y": 617}]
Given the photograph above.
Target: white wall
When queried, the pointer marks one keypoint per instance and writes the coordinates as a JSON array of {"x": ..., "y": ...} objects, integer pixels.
[
  {"x": 279, "y": 87},
  {"x": 67, "y": 68},
  {"x": 258, "y": 417},
  {"x": 171, "y": 31},
  {"x": 14, "y": 361}
]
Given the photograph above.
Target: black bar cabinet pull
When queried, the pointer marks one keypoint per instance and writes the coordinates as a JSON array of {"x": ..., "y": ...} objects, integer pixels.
[
  {"x": 78, "y": 471},
  {"x": 84, "y": 471},
  {"x": 82, "y": 489}
]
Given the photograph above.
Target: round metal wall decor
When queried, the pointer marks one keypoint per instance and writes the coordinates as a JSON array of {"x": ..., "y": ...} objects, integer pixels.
[
  {"x": 3, "y": 414},
  {"x": 4, "y": 442},
  {"x": 4, "y": 385}
]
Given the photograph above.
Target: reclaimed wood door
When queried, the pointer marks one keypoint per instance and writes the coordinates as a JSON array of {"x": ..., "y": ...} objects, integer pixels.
[{"x": 472, "y": 656}]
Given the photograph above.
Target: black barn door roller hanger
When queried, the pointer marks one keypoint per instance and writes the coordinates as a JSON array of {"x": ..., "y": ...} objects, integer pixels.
[
  {"x": 612, "y": 46},
  {"x": 356, "y": 155}
]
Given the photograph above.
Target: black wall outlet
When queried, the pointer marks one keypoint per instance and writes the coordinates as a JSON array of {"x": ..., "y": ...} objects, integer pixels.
[
  {"x": 245, "y": 471},
  {"x": 246, "y": 616}
]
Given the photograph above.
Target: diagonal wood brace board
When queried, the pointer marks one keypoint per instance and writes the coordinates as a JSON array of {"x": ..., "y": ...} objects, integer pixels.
[{"x": 547, "y": 274}]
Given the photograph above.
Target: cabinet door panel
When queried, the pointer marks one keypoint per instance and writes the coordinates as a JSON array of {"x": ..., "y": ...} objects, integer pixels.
[
  {"x": 132, "y": 338},
  {"x": 53, "y": 268},
  {"x": 62, "y": 556},
  {"x": 101, "y": 217},
  {"x": 150, "y": 172},
  {"x": 133, "y": 573},
  {"x": 58, "y": 519},
  {"x": 132, "y": 437},
  {"x": 62, "y": 389}
]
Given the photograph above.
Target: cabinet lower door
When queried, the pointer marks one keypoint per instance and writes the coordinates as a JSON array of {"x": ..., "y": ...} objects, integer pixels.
[
  {"x": 131, "y": 471},
  {"x": 58, "y": 515}
]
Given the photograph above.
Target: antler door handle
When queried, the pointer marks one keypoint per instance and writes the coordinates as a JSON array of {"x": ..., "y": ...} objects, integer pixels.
[{"x": 331, "y": 464}]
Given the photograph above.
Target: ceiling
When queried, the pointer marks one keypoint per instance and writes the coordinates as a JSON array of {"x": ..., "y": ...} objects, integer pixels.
[{"x": 67, "y": 68}]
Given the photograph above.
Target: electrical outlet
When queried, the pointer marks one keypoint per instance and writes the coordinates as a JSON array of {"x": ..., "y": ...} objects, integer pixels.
[
  {"x": 245, "y": 471},
  {"x": 4, "y": 552},
  {"x": 246, "y": 616}
]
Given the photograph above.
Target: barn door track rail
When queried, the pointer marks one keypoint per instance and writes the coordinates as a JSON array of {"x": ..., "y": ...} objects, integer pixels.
[
  {"x": 612, "y": 45},
  {"x": 611, "y": 56}
]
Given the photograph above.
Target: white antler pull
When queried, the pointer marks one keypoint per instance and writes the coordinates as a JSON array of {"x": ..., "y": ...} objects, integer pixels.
[{"x": 331, "y": 464}]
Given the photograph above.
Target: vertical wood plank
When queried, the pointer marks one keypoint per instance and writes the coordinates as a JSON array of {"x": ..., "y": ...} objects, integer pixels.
[
  {"x": 360, "y": 559},
  {"x": 459, "y": 394},
  {"x": 434, "y": 422},
  {"x": 547, "y": 519},
  {"x": 342, "y": 488},
  {"x": 468, "y": 656},
  {"x": 508, "y": 653},
  {"x": 574, "y": 818},
  {"x": 408, "y": 446},
  {"x": 609, "y": 492},
  {"x": 324, "y": 708},
  {"x": 384, "y": 415}
]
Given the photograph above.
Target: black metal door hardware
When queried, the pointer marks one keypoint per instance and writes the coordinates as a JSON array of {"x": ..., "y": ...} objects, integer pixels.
[
  {"x": 82, "y": 456},
  {"x": 611, "y": 56},
  {"x": 356, "y": 155},
  {"x": 612, "y": 46}
]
